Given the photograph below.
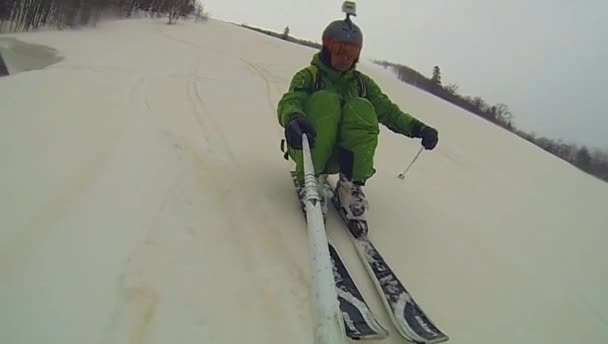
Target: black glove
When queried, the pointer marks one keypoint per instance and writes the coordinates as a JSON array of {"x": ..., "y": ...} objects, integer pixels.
[
  {"x": 429, "y": 136},
  {"x": 295, "y": 127}
]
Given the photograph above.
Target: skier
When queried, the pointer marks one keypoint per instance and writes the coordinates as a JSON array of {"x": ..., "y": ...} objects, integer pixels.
[{"x": 339, "y": 108}]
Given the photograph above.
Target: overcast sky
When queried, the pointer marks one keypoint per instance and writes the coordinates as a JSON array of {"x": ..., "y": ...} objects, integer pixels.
[{"x": 543, "y": 58}]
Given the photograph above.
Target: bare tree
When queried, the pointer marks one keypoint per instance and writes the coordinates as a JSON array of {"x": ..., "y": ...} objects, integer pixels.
[
  {"x": 501, "y": 113},
  {"x": 480, "y": 104},
  {"x": 451, "y": 88},
  {"x": 199, "y": 12}
]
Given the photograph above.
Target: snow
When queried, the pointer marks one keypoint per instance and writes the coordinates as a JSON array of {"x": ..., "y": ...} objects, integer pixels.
[{"x": 144, "y": 199}]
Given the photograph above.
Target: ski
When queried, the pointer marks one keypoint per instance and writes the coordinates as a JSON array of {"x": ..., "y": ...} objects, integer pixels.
[
  {"x": 408, "y": 317},
  {"x": 359, "y": 321}
]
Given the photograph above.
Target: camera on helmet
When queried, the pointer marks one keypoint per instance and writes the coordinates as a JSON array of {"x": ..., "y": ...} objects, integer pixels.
[{"x": 349, "y": 7}]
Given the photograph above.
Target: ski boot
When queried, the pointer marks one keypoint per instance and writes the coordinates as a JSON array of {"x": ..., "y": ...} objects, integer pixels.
[{"x": 350, "y": 200}]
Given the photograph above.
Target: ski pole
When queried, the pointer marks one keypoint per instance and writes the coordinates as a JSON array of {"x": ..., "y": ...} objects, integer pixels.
[
  {"x": 328, "y": 327},
  {"x": 402, "y": 174}
]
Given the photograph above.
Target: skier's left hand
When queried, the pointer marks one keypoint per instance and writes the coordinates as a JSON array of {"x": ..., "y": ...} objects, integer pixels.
[{"x": 429, "y": 136}]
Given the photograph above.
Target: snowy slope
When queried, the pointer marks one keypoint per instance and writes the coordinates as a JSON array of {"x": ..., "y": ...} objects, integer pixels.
[{"x": 144, "y": 199}]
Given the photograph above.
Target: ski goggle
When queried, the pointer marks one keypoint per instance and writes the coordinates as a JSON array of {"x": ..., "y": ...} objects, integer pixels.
[{"x": 346, "y": 49}]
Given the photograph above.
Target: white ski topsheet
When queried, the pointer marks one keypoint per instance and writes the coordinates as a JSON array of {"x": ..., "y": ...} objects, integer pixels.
[{"x": 144, "y": 199}]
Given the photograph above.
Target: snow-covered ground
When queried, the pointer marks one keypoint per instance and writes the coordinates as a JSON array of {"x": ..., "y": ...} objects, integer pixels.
[{"x": 144, "y": 199}]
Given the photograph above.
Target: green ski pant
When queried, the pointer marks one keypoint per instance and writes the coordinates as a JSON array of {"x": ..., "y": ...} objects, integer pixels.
[{"x": 347, "y": 136}]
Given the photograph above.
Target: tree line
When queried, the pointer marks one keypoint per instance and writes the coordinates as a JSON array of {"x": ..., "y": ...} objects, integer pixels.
[
  {"x": 591, "y": 160},
  {"x": 27, "y": 15}
]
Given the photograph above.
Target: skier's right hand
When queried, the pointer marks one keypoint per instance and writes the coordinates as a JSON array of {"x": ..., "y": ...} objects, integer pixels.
[{"x": 295, "y": 127}]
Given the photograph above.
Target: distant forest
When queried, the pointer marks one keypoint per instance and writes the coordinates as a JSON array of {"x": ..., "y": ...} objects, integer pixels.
[
  {"x": 591, "y": 160},
  {"x": 27, "y": 15}
]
